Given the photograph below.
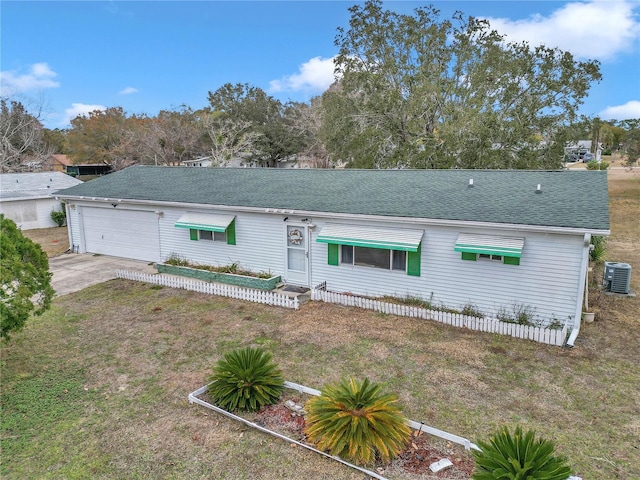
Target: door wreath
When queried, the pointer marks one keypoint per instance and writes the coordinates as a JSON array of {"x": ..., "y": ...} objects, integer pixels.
[{"x": 295, "y": 237}]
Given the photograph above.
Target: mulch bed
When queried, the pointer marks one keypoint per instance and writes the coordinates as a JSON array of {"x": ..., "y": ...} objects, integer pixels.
[{"x": 422, "y": 451}]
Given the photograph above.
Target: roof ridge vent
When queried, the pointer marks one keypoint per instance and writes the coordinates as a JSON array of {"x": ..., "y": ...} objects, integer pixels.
[{"x": 539, "y": 188}]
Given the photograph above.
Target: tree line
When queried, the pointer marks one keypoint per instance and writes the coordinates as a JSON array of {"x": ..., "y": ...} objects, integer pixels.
[{"x": 411, "y": 91}]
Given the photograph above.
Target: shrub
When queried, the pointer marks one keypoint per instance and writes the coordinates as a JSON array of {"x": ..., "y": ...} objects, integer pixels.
[
  {"x": 233, "y": 268},
  {"x": 597, "y": 252},
  {"x": 245, "y": 379},
  {"x": 354, "y": 420},
  {"x": 417, "y": 302},
  {"x": 59, "y": 217},
  {"x": 177, "y": 260},
  {"x": 471, "y": 311},
  {"x": 593, "y": 165},
  {"x": 520, "y": 314},
  {"x": 518, "y": 456}
]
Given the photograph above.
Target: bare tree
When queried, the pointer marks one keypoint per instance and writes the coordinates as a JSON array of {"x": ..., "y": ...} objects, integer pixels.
[
  {"x": 230, "y": 138},
  {"x": 306, "y": 122},
  {"x": 172, "y": 137},
  {"x": 21, "y": 137}
]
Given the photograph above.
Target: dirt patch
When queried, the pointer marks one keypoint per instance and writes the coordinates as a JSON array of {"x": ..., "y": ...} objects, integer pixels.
[{"x": 54, "y": 241}]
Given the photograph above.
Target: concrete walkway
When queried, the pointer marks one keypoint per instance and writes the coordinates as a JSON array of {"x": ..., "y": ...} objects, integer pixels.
[{"x": 73, "y": 272}]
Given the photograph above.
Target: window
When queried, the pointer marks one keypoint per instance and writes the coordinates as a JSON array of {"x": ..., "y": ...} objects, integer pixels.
[
  {"x": 490, "y": 257},
  {"x": 399, "y": 260},
  {"x": 347, "y": 254},
  {"x": 208, "y": 235},
  {"x": 373, "y": 247},
  {"x": 374, "y": 257},
  {"x": 205, "y": 226},
  {"x": 507, "y": 250},
  {"x": 487, "y": 256}
]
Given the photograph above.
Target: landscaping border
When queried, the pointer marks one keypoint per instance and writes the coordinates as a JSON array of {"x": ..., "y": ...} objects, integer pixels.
[
  {"x": 419, "y": 426},
  {"x": 193, "y": 398},
  {"x": 228, "y": 278},
  {"x": 224, "y": 290}
]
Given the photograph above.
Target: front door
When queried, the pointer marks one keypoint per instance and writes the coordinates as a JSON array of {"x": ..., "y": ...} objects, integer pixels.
[{"x": 297, "y": 259}]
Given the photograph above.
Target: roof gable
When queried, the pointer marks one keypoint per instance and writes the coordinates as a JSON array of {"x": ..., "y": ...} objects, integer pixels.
[
  {"x": 61, "y": 159},
  {"x": 35, "y": 184},
  {"x": 572, "y": 199}
]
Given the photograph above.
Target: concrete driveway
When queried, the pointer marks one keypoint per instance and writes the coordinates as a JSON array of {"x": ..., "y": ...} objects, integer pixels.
[{"x": 73, "y": 272}]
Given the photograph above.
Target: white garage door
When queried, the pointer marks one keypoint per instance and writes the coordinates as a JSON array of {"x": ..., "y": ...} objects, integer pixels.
[{"x": 122, "y": 233}]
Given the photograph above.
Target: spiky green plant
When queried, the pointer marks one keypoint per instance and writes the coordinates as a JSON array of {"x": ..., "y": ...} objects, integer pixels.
[
  {"x": 597, "y": 253},
  {"x": 518, "y": 457},
  {"x": 355, "y": 421},
  {"x": 245, "y": 379}
]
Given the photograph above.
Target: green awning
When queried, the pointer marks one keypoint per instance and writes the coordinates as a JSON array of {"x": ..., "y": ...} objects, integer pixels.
[
  {"x": 371, "y": 237},
  {"x": 205, "y": 221},
  {"x": 489, "y": 244}
]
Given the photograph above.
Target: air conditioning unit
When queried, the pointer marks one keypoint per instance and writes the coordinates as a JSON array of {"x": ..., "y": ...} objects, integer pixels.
[{"x": 617, "y": 277}]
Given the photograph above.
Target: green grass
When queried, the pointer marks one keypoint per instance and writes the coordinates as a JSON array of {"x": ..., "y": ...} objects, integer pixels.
[{"x": 43, "y": 417}]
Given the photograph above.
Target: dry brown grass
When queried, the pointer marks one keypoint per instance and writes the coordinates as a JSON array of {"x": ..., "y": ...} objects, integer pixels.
[
  {"x": 54, "y": 241},
  {"x": 135, "y": 351}
]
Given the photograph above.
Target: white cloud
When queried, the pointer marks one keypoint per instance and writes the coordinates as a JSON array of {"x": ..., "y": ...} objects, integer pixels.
[
  {"x": 630, "y": 109},
  {"x": 316, "y": 75},
  {"x": 79, "y": 109},
  {"x": 598, "y": 29},
  {"x": 38, "y": 77},
  {"x": 128, "y": 91}
]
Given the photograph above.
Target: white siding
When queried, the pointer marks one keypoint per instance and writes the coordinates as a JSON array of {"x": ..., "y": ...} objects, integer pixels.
[
  {"x": 547, "y": 279},
  {"x": 73, "y": 224},
  {"x": 363, "y": 280},
  {"x": 30, "y": 214},
  {"x": 259, "y": 242}
]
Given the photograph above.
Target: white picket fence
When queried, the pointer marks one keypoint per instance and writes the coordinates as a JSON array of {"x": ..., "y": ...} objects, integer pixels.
[
  {"x": 221, "y": 289},
  {"x": 542, "y": 335},
  {"x": 548, "y": 336}
]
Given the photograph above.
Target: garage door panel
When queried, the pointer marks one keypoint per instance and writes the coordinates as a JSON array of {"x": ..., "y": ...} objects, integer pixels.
[{"x": 122, "y": 233}]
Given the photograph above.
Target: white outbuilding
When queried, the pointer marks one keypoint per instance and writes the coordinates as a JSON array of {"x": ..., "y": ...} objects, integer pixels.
[{"x": 28, "y": 198}]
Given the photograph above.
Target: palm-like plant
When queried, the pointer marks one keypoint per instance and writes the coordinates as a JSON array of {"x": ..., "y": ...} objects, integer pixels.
[
  {"x": 518, "y": 457},
  {"x": 245, "y": 379},
  {"x": 354, "y": 420},
  {"x": 597, "y": 253}
]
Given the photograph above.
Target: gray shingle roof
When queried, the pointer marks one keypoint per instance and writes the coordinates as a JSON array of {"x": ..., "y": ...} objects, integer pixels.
[
  {"x": 34, "y": 184},
  {"x": 573, "y": 199}
]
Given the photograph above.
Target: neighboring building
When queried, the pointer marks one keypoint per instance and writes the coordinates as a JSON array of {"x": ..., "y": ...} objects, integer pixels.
[
  {"x": 89, "y": 169},
  {"x": 198, "y": 162},
  {"x": 56, "y": 163},
  {"x": 26, "y": 198},
  {"x": 244, "y": 162},
  {"x": 494, "y": 240},
  {"x": 306, "y": 161},
  {"x": 579, "y": 148}
]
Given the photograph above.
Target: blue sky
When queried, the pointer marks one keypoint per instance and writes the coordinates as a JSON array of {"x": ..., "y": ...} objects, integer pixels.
[{"x": 146, "y": 56}]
